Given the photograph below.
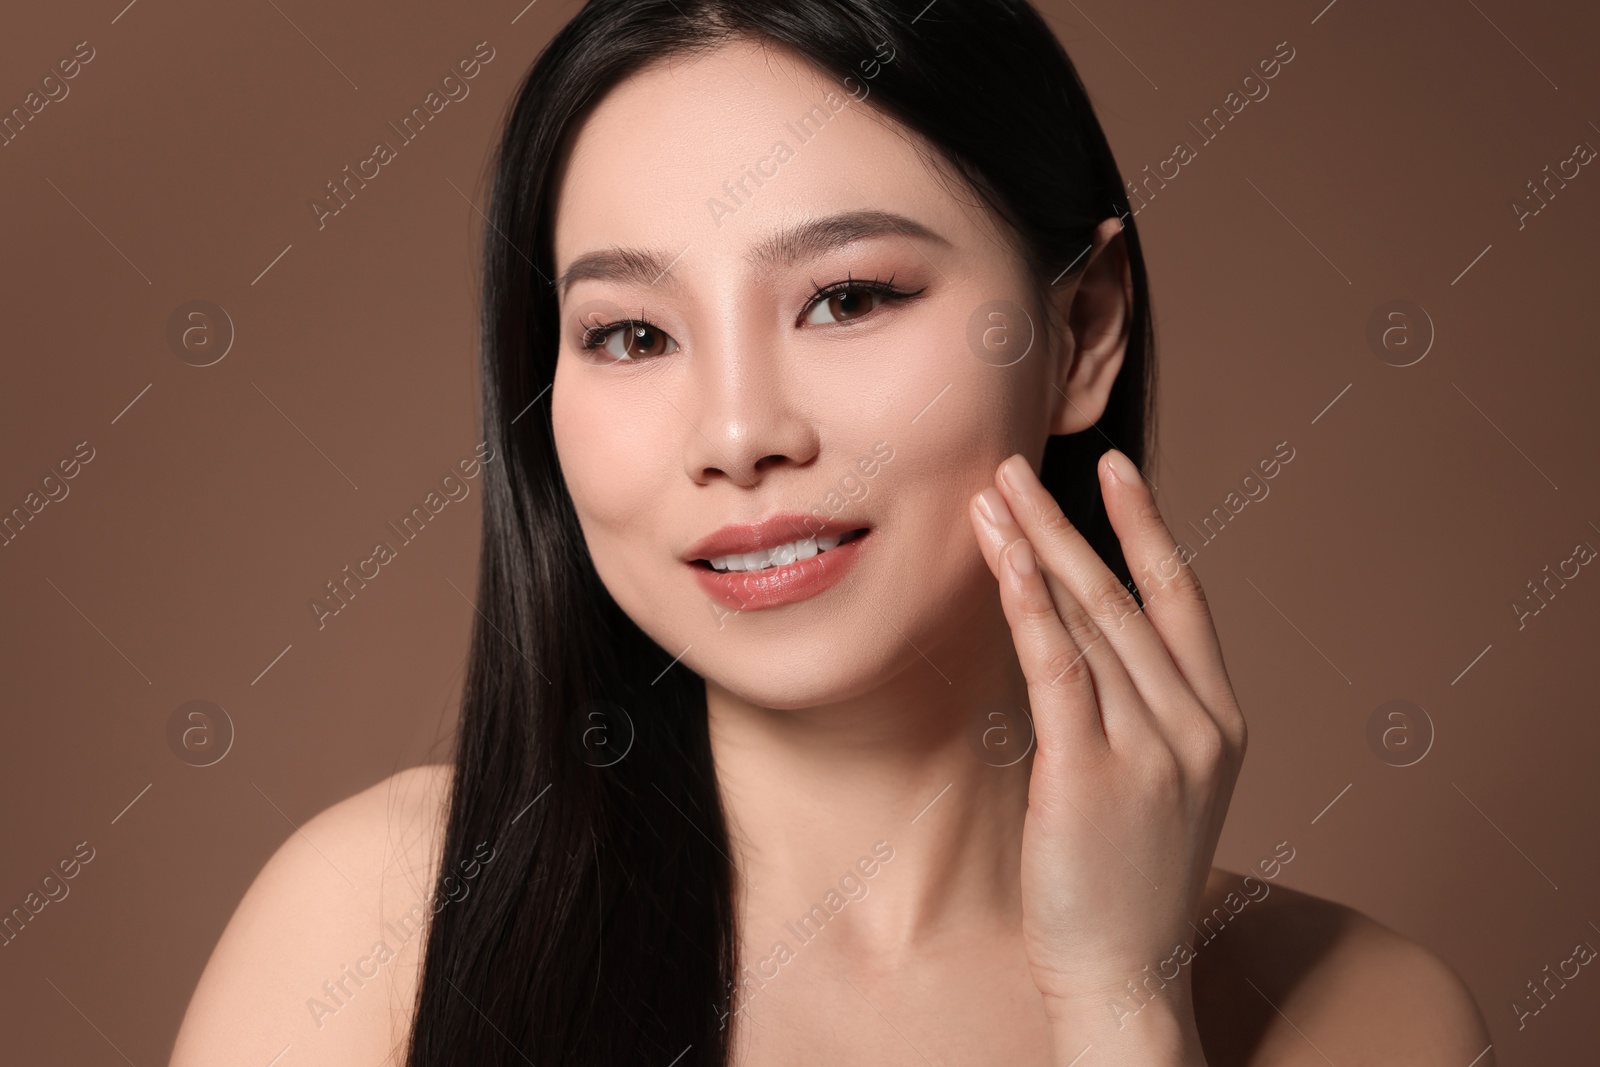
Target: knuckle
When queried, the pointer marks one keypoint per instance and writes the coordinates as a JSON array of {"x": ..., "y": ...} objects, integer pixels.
[
  {"x": 1162, "y": 775},
  {"x": 1065, "y": 667},
  {"x": 1187, "y": 584},
  {"x": 1051, "y": 518},
  {"x": 1037, "y": 615},
  {"x": 1082, "y": 627},
  {"x": 1109, "y": 599},
  {"x": 1236, "y": 731},
  {"x": 1207, "y": 747},
  {"x": 1145, "y": 511}
]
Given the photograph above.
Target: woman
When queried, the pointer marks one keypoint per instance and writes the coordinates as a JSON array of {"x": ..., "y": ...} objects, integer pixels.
[{"x": 802, "y": 724}]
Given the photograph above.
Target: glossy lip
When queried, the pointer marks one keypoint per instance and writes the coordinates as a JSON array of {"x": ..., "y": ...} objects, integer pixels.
[
  {"x": 770, "y": 532},
  {"x": 776, "y": 586}
]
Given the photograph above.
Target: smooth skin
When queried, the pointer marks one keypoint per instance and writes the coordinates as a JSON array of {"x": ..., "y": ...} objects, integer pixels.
[{"x": 1017, "y": 899}]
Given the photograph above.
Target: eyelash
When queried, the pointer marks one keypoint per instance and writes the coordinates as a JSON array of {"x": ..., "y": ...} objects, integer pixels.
[{"x": 596, "y": 336}]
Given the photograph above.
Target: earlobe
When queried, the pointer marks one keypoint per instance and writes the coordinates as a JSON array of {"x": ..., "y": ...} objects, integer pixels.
[{"x": 1097, "y": 334}]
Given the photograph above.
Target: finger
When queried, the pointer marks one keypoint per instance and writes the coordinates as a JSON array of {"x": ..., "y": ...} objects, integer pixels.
[
  {"x": 1084, "y": 578},
  {"x": 1174, "y": 603},
  {"x": 1067, "y": 715},
  {"x": 1065, "y": 647}
]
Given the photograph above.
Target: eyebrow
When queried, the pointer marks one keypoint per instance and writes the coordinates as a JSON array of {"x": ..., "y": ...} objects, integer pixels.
[{"x": 804, "y": 240}]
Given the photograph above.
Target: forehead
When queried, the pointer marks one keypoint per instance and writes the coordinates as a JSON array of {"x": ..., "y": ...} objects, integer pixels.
[{"x": 705, "y": 157}]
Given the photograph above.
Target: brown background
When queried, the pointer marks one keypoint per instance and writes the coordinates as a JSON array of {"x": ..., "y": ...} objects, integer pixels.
[{"x": 1384, "y": 561}]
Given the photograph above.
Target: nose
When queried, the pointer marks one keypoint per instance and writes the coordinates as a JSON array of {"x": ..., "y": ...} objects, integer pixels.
[{"x": 745, "y": 414}]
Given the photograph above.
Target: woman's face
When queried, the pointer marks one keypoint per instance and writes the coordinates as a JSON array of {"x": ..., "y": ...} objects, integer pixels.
[{"x": 741, "y": 182}]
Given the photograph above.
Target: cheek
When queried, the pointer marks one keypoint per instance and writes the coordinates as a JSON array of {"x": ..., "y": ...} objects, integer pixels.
[
  {"x": 603, "y": 444},
  {"x": 613, "y": 459}
]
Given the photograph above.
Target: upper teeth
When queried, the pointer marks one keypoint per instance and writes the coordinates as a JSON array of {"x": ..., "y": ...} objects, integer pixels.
[{"x": 780, "y": 556}]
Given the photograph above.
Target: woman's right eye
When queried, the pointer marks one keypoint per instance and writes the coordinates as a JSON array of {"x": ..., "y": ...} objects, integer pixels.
[{"x": 627, "y": 341}]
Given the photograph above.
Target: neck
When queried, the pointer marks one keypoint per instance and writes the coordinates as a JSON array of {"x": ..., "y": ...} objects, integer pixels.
[{"x": 882, "y": 818}]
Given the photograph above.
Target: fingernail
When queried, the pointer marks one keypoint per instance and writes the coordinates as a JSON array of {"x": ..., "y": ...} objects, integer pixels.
[
  {"x": 1122, "y": 468},
  {"x": 994, "y": 507},
  {"x": 1020, "y": 554},
  {"x": 1017, "y": 473}
]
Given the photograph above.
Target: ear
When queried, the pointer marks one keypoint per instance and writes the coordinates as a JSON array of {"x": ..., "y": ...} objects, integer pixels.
[{"x": 1096, "y": 307}]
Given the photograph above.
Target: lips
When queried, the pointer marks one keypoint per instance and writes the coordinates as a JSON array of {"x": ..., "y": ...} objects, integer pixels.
[
  {"x": 770, "y": 532},
  {"x": 789, "y": 583}
]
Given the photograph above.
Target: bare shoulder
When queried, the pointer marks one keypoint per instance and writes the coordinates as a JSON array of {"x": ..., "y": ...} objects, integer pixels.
[
  {"x": 1285, "y": 977},
  {"x": 322, "y": 953}
]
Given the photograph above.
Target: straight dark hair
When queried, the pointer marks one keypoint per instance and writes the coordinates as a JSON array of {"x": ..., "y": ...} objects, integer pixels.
[{"x": 603, "y": 930}]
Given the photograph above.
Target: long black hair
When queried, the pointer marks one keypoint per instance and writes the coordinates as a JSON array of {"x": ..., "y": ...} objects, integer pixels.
[{"x": 602, "y": 930}]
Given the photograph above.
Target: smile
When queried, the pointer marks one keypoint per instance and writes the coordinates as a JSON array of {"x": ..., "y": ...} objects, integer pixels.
[
  {"x": 781, "y": 555},
  {"x": 783, "y": 574}
]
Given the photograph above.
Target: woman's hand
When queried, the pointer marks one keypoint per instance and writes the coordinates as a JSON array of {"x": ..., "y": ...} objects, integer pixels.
[{"x": 1139, "y": 745}]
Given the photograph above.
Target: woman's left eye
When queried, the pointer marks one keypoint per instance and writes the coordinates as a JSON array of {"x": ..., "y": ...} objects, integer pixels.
[{"x": 850, "y": 300}]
